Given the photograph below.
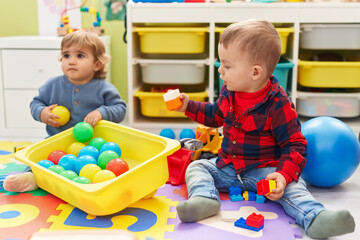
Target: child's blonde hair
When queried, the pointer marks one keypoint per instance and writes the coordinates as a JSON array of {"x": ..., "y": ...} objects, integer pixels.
[
  {"x": 86, "y": 38},
  {"x": 258, "y": 39}
]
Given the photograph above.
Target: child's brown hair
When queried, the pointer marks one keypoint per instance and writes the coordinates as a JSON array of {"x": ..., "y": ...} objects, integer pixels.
[
  {"x": 86, "y": 38},
  {"x": 258, "y": 39}
]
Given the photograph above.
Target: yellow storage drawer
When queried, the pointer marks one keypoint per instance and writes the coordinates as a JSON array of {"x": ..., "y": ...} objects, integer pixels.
[
  {"x": 329, "y": 74},
  {"x": 283, "y": 33},
  {"x": 152, "y": 104},
  {"x": 170, "y": 40},
  {"x": 145, "y": 153}
]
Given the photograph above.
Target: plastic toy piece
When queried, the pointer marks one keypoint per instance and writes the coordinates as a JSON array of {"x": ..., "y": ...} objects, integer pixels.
[
  {"x": 177, "y": 164},
  {"x": 241, "y": 222},
  {"x": 246, "y": 195},
  {"x": 252, "y": 196},
  {"x": 234, "y": 190},
  {"x": 260, "y": 199},
  {"x": 172, "y": 99},
  {"x": 236, "y": 197},
  {"x": 255, "y": 220},
  {"x": 265, "y": 187}
]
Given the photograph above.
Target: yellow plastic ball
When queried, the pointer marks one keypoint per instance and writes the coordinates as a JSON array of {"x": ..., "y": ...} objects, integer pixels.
[
  {"x": 74, "y": 148},
  {"x": 89, "y": 171},
  {"x": 103, "y": 176},
  {"x": 63, "y": 113}
]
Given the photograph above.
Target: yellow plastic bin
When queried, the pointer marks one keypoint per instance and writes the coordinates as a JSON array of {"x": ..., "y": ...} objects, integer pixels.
[
  {"x": 145, "y": 153},
  {"x": 283, "y": 33},
  {"x": 152, "y": 104},
  {"x": 329, "y": 74},
  {"x": 170, "y": 40}
]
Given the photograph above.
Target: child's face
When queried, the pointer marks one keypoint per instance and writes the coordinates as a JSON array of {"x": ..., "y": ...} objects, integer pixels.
[
  {"x": 79, "y": 64},
  {"x": 235, "y": 70}
]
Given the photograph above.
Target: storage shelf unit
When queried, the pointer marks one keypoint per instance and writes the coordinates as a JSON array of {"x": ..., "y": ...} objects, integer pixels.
[{"x": 212, "y": 15}]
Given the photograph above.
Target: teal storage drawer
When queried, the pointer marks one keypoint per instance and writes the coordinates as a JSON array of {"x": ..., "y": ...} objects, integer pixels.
[{"x": 281, "y": 72}]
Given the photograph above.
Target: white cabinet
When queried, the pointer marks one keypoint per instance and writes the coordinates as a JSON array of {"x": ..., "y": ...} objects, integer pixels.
[
  {"x": 26, "y": 62},
  {"x": 213, "y": 15}
]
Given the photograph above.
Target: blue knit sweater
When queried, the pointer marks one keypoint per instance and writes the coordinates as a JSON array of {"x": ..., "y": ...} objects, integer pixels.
[{"x": 80, "y": 100}]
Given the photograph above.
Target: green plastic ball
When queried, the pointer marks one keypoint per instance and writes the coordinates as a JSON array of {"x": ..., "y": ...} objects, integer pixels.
[
  {"x": 106, "y": 157},
  {"x": 83, "y": 132},
  {"x": 97, "y": 142},
  {"x": 69, "y": 174},
  {"x": 56, "y": 169},
  {"x": 82, "y": 180}
]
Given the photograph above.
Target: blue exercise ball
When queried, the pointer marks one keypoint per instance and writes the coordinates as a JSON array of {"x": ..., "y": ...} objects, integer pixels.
[
  {"x": 333, "y": 151},
  {"x": 187, "y": 133},
  {"x": 167, "y": 132}
]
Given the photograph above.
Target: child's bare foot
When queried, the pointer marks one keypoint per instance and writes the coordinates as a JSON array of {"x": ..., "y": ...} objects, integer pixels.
[{"x": 21, "y": 182}]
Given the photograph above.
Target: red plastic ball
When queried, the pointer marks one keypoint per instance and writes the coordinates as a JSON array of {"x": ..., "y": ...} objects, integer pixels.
[
  {"x": 117, "y": 166},
  {"x": 55, "y": 156}
]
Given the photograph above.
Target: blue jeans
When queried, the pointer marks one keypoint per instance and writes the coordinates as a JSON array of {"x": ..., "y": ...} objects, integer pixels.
[{"x": 205, "y": 179}]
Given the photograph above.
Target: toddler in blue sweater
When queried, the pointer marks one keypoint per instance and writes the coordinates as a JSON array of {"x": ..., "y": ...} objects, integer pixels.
[{"x": 82, "y": 90}]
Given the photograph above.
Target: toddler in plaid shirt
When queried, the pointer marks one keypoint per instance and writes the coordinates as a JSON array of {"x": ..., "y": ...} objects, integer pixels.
[{"x": 262, "y": 135}]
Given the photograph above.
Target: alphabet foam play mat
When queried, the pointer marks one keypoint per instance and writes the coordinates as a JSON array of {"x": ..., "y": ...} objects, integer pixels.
[{"x": 23, "y": 214}]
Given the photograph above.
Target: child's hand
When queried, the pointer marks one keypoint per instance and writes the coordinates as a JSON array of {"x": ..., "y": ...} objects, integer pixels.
[
  {"x": 278, "y": 192},
  {"x": 48, "y": 118},
  {"x": 185, "y": 100},
  {"x": 93, "y": 117}
]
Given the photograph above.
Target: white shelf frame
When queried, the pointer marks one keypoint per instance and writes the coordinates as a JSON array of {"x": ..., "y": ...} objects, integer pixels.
[{"x": 211, "y": 14}]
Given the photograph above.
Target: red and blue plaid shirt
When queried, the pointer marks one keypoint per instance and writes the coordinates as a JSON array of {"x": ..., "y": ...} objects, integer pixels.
[{"x": 266, "y": 134}]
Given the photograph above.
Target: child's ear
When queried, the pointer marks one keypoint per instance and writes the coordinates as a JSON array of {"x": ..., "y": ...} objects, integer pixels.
[
  {"x": 258, "y": 72},
  {"x": 98, "y": 65}
]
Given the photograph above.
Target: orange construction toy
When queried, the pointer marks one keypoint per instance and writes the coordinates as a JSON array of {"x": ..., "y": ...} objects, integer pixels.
[{"x": 211, "y": 139}]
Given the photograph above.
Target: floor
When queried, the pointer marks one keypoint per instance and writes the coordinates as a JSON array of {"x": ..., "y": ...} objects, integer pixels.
[{"x": 343, "y": 196}]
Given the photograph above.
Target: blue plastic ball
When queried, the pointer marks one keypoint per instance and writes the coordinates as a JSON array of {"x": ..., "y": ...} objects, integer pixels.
[
  {"x": 89, "y": 150},
  {"x": 187, "y": 133},
  {"x": 112, "y": 147},
  {"x": 167, "y": 132},
  {"x": 333, "y": 152},
  {"x": 82, "y": 161},
  {"x": 68, "y": 162},
  {"x": 45, "y": 163}
]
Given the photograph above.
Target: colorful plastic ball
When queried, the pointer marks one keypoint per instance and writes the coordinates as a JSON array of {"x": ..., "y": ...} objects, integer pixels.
[
  {"x": 89, "y": 171},
  {"x": 105, "y": 157},
  {"x": 82, "y": 161},
  {"x": 111, "y": 146},
  {"x": 97, "y": 142},
  {"x": 89, "y": 150},
  {"x": 46, "y": 163},
  {"x": 68, "y": 162},
  {"x": 55, "y": 156},
  {"x": 187, "y": 133},
  {"x": 63, "y": 113},
  {"x": 83, "y": 132},
  {"x": 117, "y": 166},
  {"x": 333, "y": 152},
  {"x": 167, "y": 132},
  {"x": 56, "y": 169},
  {"x": 75, "y": 148},
  {"x": 103, "y": 176},
  {"x": 68, "y": 174},
  {"x": 82, "y": 180}
]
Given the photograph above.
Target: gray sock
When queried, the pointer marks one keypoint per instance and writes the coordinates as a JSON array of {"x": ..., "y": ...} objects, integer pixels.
[
  {"x": 197, "y": 208},
  {"x": 329, "y": 223}
]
